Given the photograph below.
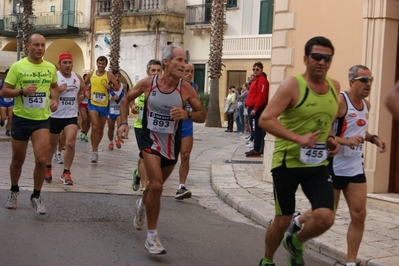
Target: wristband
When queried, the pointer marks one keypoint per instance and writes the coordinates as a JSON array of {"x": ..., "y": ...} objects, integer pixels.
[
  {"x": 372, "y": 138},
  {"x": 123, "y": 123}
]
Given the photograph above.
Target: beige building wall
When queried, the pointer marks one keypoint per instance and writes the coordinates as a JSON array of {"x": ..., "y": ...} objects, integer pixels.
[{"x": 362, "y": 32}]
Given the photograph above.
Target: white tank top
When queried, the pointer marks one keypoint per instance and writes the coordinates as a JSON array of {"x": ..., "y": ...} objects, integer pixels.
[
  {"x": 114, "y": 105},
  {"x": 68, "y": 99},
  {"x": 349, "y": 160}
]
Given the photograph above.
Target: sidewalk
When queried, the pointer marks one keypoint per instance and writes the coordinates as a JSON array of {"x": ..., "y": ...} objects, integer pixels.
[
  {"x": 234, "y": 179},
  {"x": 237, "y": 183}
]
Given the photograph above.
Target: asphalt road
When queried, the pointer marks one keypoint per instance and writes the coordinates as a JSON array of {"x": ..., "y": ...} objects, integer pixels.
[{"x": 97, "y": 229}]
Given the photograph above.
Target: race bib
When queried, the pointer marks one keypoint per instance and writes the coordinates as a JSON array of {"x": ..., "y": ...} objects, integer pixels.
[
  {"x": 315, "y": 155},
  {"x": 66, "y": 103},
  {"x": 38, "y": 100},
  {"x": 99, "y": 97},
  {"x": 353, "y": 151},
  {"x": 114, "y": 109},
  {"x": 160, "y": 123}
]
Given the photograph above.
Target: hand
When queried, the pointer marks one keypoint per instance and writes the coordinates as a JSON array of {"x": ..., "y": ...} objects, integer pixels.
[
  {"x": 53, "y": 106},
  {"x": 178, "y": 113},
  {"x": 30, "y": 89},
  {"x": 134, "y": 109},
  {"x": 333, "y": 147},
  {"x": 107, "y": 86},
  {"x": 308, "y": 140},
  {"x": 62, "y": 87},
  {"x": 381, "y": 144},
  {"x": 253, "y": 112},
  {"x": 354, "y": 141},
  {"x": 122, "y": 132}
]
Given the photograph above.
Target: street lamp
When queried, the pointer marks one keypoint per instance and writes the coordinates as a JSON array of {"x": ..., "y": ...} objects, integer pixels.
[{"x": 17, "y": 19}]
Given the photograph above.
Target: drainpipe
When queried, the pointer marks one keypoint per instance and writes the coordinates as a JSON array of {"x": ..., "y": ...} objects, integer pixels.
[{"x": 92, "y": 19}]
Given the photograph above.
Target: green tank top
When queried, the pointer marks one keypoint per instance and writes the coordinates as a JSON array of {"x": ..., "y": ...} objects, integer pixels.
[
  {"x": 138, "y": 123},
  {"x": 311, "y": 113}
]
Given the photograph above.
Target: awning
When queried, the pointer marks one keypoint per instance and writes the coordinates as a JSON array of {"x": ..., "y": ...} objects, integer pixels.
[{"x": 6, "y": 60}]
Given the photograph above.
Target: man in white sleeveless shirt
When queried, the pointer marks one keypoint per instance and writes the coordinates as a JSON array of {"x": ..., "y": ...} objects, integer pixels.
[
  {"x": 65, "y": 118},
  {"x": 166, "y": 96},
  {"x": 346, "y": 167}
]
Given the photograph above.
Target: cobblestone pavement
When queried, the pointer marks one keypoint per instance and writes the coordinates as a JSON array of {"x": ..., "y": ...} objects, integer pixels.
[{"x": 219, "y": 170}]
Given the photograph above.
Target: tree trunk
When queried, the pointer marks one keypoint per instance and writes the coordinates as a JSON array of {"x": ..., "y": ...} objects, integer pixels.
[
  {"x": 213, "y": 114},
  {"x": 27, "y": 29},
  {"x": 116, "y": 28}
]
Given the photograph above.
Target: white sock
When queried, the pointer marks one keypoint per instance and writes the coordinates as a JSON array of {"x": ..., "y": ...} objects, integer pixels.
[
  {"x": 296, "y": 220},
  {"x": 151, "y": 233},
  {"x": 182, "y": 185},
  {"x": 351, "y": 264},
  {"x": 141, "y": 205}
]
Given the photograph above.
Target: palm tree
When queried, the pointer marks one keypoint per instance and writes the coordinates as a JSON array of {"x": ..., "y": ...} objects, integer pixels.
[
  {"x": 215, "y": 62},
  {"x": 27, "y": 29},
  {"x": 116, "y": 28}
]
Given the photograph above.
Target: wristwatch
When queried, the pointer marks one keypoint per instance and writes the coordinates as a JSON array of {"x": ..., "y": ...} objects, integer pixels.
[
  {"x": 21, "y": 92},
  {"x": 189, "y": 115}
]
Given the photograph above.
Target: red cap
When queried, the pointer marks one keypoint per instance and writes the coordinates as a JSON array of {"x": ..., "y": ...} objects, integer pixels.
[{"x": 64, "y": 55}]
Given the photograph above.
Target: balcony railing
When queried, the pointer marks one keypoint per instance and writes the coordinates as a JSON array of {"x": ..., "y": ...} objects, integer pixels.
[
  {"x": 243, "y": 47},
  {"x": 50, "y": 20},
  {"x": 104, "y": 6},
  {"x": 199, "y": 14}
]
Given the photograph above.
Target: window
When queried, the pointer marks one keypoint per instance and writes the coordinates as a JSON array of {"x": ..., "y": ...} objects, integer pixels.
[
  {"x": 199, "y": 76},
  {"x": 266, "y": 17},
  {"x": 231, "y": 3}
]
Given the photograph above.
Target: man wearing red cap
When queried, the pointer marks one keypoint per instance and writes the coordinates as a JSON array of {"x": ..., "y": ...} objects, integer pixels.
[
  {"x": 100, "y": 81},
  {"x": 31, "y": 81},
  {"x": 72, "y": 88}
]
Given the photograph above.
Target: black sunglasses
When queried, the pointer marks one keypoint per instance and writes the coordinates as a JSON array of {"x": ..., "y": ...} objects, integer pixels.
[
  {"x": 255, "y": 69},
  {"x": 364, "y": 79},
  {"x": 319, "y": 57}
]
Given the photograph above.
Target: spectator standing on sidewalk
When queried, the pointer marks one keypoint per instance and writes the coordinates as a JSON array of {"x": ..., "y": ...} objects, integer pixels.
[
  {"x": 100, "y": 80},
  {"x": 6, "y": 107},
  {"x": 241, "y": 100},
  {"x": 65, "y": 118},
  {"x": 231, "y": 107},
  {"x": 346, "y": 167},
  {"x": 392, "y": 101},
  {"x": 154, "y": 67},
  {"x": 116, "y": 94},
  {"x": 31, "y": 116},
  {"x": 300, "y": 115},
  {"x": 187, "y": 140},
  {"x": 164, "y": 110},
  {"x": 257, "y": 99}
]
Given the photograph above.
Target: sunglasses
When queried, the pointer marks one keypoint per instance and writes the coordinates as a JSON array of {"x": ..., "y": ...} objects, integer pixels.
[
  {"x": 255, "y": 69},
  {"x": 319, "y": 57},
  {"x": 364, "y": 79}
]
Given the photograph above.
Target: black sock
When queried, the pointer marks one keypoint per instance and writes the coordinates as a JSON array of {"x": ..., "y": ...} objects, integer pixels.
[
  {"x": 66, "y": 171},
  {"x": 48, "y": 166},
  {"x": 36, "y": 194},
  {"x": 14, "y": 188}
]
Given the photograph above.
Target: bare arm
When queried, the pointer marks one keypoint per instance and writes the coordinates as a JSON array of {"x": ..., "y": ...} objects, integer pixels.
[{"x": 54, "y": 93}]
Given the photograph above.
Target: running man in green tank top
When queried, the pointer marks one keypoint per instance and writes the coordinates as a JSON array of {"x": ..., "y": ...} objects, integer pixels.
[{"x": 300, "y": 115}]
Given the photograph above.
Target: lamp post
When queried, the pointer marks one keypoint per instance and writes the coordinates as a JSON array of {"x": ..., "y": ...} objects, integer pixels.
[{"x": 17, "y": 19}]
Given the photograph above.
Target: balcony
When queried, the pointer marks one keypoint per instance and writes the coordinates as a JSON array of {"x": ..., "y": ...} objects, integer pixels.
[
  {"x": 103, "y": 7},
  {"x": 198, "y": 18},
  {"x": 246, "y": 47},
  {"x": 56, "y": 23}
]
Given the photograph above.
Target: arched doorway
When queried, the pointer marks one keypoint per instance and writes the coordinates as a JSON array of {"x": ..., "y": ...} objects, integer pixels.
[{"x": 56, "y": 47}]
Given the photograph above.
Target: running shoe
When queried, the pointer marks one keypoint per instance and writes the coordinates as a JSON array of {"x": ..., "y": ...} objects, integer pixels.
[
  {"x": 66, "y": 179},
  {"x": 94, "y": 157},
  {"x": 140, "y": 217},
  {"x": 136, "y": 180},
  {"x": 183, "y": 193},
  {"x": 296, "y": 253},
  {"x": 48, "y": 178},
  {"x": 260, "y": 263},
  {"x": 118, "y": 143},
  {"x": 12, "y": 200},
  {"x": 1, "y": 123},
  {"x": 82, "y": 137},
  {"x": 58, "y": 158},
  {"x": 154, "y": 246},
  {"x": 86, "y": 138},
  {"x": 252, "y": 154},
  {"x": 38, "y": 205},
  {"x": 8, "y": 133},
  {"x": 111, "y": 146},
  {"x": 293, "y": 228}
]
